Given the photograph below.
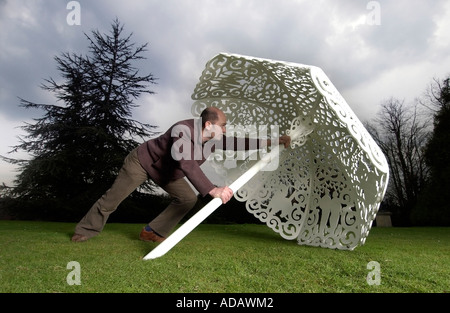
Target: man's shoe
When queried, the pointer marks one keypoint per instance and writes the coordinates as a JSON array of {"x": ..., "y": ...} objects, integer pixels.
[
  {"x": 79, "y": 238},
  {"x": 150, "y": 236}
]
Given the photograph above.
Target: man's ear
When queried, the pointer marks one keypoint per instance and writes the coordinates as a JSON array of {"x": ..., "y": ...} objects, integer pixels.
[{"x": 208, "y": 125}]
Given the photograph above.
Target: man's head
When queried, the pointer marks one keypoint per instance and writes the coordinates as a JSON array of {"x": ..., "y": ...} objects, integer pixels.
[{"x": 214, "y": 123}]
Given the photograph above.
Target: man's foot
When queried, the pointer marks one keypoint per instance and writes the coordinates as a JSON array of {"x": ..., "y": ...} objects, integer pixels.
[
  {"x": 150, "y": 236},
  {"x": 79, "y": 238}
]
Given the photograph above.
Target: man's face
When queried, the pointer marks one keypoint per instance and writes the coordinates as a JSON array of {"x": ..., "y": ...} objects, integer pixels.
[{"x": 217, "y": 129}]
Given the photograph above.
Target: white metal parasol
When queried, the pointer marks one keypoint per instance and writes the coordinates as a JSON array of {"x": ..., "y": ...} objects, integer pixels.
[{"x": 324, "y": 191}]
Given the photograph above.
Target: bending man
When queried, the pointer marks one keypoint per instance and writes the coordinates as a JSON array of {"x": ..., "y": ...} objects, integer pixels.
[{"x": 167, "y": 160}]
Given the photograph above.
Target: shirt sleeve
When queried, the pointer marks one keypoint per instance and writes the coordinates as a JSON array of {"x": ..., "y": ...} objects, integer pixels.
[
  {"x": 239, "y": 144},
  {"x": 196, "y": 176},
  {"x": 189, "y": 161}
]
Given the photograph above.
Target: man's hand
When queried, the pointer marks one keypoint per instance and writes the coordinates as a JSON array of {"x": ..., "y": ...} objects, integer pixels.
[
  {"x": 224, "y": 193},
  {"x": 285, "y": 140}
]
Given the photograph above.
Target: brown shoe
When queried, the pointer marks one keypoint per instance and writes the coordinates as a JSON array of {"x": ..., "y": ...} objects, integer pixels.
[
  {"x": 79, "y": 238},
  {"x": 150, "y": 236}
]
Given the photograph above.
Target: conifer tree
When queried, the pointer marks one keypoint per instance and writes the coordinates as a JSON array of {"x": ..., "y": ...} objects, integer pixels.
[
  {"x": 78, "y": 146},
  {"x": 434, "y": 208}
]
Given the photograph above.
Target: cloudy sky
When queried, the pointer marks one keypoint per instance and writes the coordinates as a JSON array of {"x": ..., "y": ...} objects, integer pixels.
[{"x": 371, "y": 50}]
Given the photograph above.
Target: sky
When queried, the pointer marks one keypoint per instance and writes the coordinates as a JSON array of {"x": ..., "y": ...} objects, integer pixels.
[{"x": 370, "y": 50}]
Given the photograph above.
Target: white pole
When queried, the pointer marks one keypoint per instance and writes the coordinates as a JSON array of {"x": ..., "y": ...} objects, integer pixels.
[{"x": 208, "y": 209}]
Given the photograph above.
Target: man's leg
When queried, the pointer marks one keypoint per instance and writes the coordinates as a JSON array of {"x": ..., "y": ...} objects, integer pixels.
[
  {"x": 130, "y": 176},
  {"x": 184, "y": 200}
]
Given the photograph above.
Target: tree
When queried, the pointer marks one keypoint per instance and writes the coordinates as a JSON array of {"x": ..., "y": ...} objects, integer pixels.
[
  {"x": 434, "y": 208},
  {"x": 402, "y": 136},
  {"x": 77, "y": 148}
]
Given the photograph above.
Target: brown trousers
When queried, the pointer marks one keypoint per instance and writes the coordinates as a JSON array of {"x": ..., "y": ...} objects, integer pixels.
[{"x": 131, "y": 176}]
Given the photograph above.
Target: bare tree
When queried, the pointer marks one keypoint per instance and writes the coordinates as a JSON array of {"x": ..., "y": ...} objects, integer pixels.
[
  {"x": 402, "y": 133},
  {"x": 437, "y": 95}
]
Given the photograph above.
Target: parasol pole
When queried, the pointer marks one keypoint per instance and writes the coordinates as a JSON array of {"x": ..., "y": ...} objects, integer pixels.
[
  {"x": 295, "y": 133},
  {"x": 208, "y": 209}
]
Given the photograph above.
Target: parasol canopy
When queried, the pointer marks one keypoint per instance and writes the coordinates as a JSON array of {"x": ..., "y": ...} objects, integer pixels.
[{"x": 327, "y": 188}]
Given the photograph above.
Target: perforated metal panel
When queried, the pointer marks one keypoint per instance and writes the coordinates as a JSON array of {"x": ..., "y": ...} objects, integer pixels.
[{"x": 324, "y": 191}]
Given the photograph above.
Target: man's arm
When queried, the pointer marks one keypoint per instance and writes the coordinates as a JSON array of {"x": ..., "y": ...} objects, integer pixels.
[
  {"x": 283, "y": 140},
  {"x": 201, "y": 182},
  {"x": 242, "y": 144}
]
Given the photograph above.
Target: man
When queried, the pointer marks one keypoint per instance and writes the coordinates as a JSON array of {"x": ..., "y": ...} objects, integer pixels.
[{"x": 167, "y": 159}]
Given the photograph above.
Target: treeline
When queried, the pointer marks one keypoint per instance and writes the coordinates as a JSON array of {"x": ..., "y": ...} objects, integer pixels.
[
  {"x": 78, "y": 148},
  {"x": 415, "y": 139}
]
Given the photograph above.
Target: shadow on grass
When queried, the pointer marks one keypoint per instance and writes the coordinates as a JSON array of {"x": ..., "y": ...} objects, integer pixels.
[{"x": 250, "y": 232}]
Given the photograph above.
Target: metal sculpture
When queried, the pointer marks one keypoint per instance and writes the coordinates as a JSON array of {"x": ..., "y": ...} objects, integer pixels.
[{"x": 326, "y": 190}]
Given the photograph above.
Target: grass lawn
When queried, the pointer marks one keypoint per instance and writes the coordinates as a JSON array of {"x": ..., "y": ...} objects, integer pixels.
[{"x": 34, "y": 258}]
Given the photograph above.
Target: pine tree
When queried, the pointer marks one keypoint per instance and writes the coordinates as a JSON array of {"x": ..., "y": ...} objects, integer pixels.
[{"x": 78, "y": 146}]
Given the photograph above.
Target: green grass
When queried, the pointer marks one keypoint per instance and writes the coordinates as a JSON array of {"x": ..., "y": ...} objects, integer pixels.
[{"x": 218, "y": 259}]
